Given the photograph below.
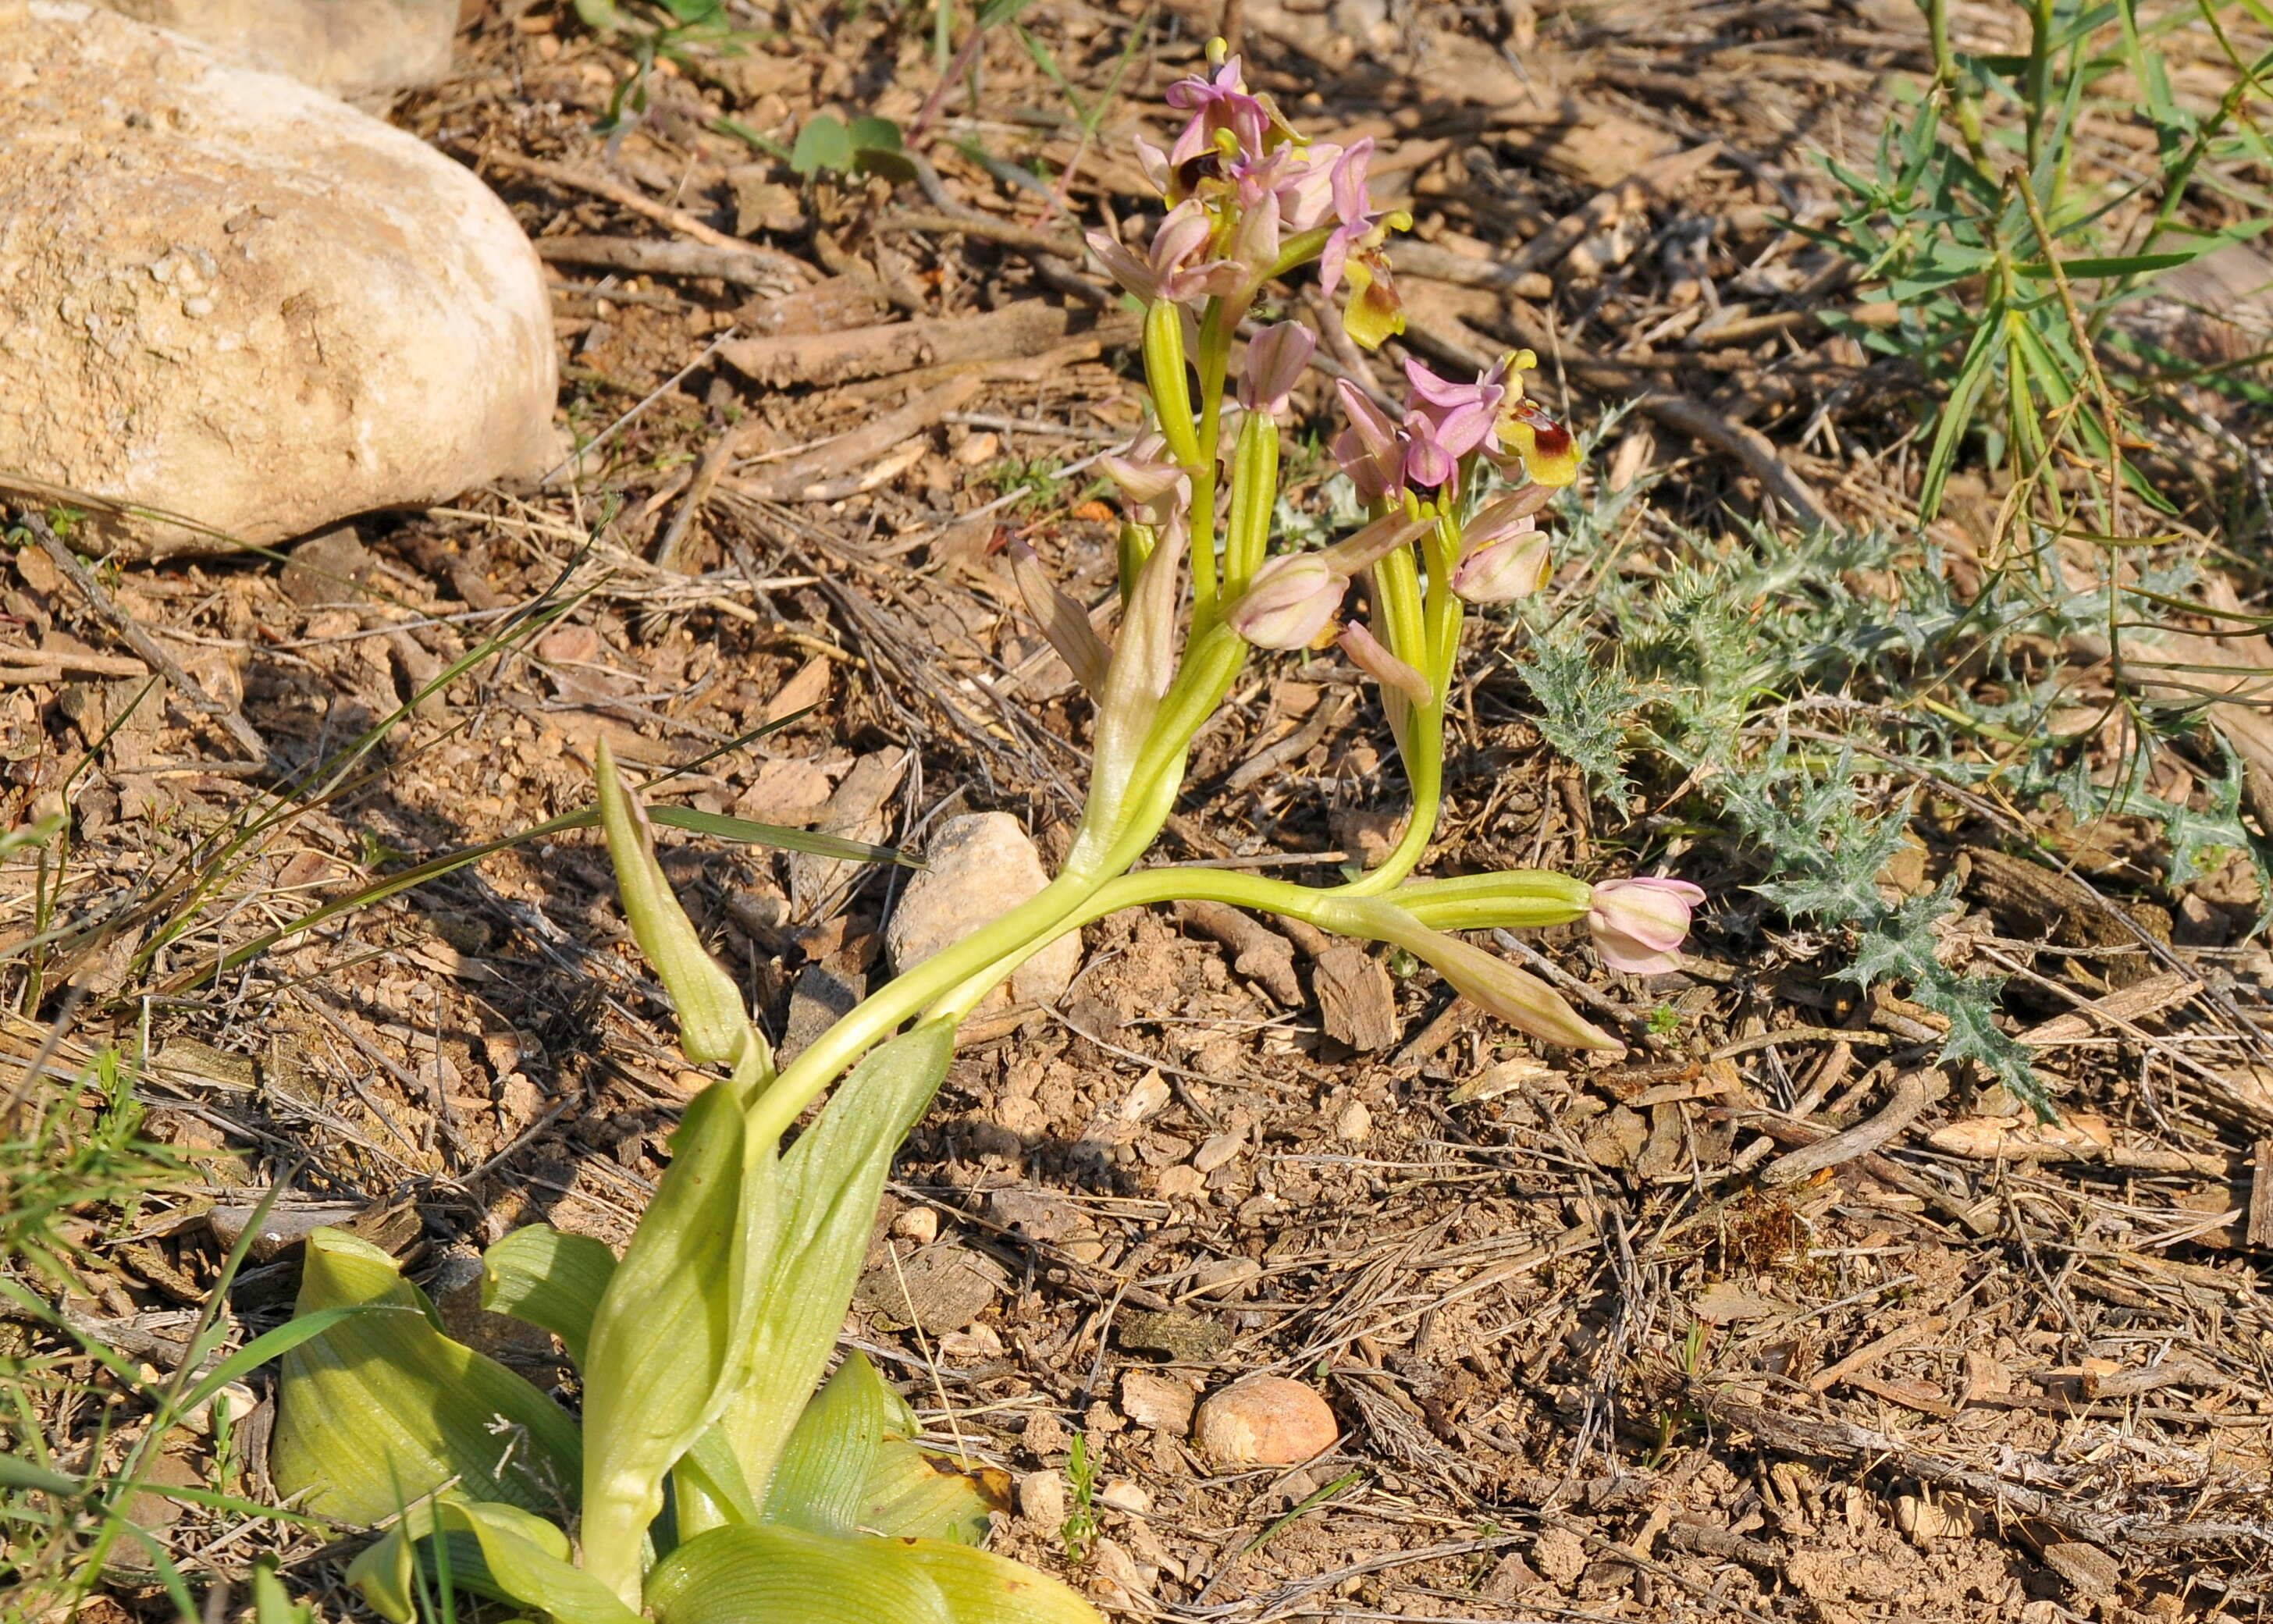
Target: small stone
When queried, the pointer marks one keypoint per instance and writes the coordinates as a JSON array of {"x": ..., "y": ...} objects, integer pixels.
[
  {"x": 1147, "y": 1099},
  {"x": 1354, "y": 1124},
  {"x": 1559, "y": 1555},
  {"x": 375, "y": 333},
  {"x": 326, "y": 568},
  {"x": 1510, "y": 1579},
  {"x": 1120, "y": 1578},
  {"x": 1180, "y": 1333},
  {"x": 1180, "y": 1183},
  {"x": 1369, "y": 836},
  {"x": 978, "y": 867},
  {"x": 1046, "y": 1434},
  {"x": 1037, "y": 1213},
  {"x": 1264, "y": 1421},
  {"x": 919, "y": 1224},
  {"x": 1042, "y": 1500},
  {"x": 1217, "y": 1150},
  {"x": 1125, "y": 1495},
  {"x": 1156, "y": 1401},
  {"x": 1225, "y": 1275},
  {"x": 818, "y": 998}
]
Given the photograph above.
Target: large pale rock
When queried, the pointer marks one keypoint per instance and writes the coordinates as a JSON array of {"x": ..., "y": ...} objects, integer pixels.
[
  {"x": 350, "y": 48},
  {"x": 978, "y": 866},
  {"x": 230, "y": 297}
]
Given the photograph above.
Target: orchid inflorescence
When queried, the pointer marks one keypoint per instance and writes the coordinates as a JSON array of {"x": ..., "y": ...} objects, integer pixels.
[{"x": 705, "y": 1481}]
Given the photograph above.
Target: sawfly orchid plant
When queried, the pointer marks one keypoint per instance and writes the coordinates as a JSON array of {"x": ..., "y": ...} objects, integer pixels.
[{"x": 706, "y": 1480}]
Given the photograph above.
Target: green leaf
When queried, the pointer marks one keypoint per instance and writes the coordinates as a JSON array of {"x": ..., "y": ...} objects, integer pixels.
[
  {"x": 2085, "y": 267},
  {"x": 271, "y": 1605},
  {"x": 853, "y": 1466},
  {"x": 514, "y": 1556},
  {"x": 831, "y": 1180},
  {"x": 382, "y": 1409},
  {"x": 673, "y": 1340},
  {"x": 696, "y": 822},
  {"x": 917, "y": 1494},
  {"x": 15, "y": 1474},
  {"x": 822, "y": 1483},
  {"x": 713, "y": 1024},
  {"x": 877, "y": 149},
  {"x": 823, "y": 146},
  {"x": 775, "y": 1575},
  {"x": 598, "y": 15},
  {"x": 552, "y": 1280},
  {"x": 982, "y": 1588}
]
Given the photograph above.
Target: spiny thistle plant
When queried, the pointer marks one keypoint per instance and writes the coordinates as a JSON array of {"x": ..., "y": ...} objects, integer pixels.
[{"x": 706, "y": 1483}]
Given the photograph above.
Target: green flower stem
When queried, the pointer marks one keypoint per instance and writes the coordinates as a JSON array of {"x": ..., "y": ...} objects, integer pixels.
[
  {"x": 879, "y": 1016},
  {"x": 1214, "y": 359},
  {"x": 1521, "y": 899},
  {"x": 1254, "y": 491},
  {"x": 1424, "y": 767},
  {"x": 1212, "y": 662}
]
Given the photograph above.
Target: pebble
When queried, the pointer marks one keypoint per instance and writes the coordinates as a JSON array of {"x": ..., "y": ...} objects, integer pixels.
[
  {"x": 1042, "y": 1500},
  {"x": 919, "y": 1224},
  {"x": 1046, "y": 1434},
  {"x": 1124, "y": 1494},
  {"x": 1355, "y": 1125},
  {"x": 1216, "y": 1150},
  {"x": 1264, "y": 1421},
  {"x": 1225, "y": 1276},
  {"x": 1147, "y": 1098},
  {"x": 1158, "y": 1402},
  {"x": 977, "y": 867},
  {"x": 245, "y": 302}
]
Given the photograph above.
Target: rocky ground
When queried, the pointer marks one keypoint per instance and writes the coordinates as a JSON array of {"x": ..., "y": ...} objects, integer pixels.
[{"x": 1756, "y": 1322}]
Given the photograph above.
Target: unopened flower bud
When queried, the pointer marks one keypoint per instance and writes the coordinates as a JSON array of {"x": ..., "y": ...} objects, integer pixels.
[
  {"x": 1514, "y": 565},
  {"x": 1290, "y": 604},
  {"x": 1521, "y": 999},
  {"x": 1639, "y": 923},
  {"x": 1064, "y": 622},
  {"x": 1153, "y": 482},
  {"x": 1275, "y": 359},
  {"x": 1370, "y": 655}
]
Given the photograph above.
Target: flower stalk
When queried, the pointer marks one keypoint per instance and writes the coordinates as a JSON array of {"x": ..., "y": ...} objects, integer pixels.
[
  {"x": 700, "y": 1348},
  {"x": 1455, "y": 483}
]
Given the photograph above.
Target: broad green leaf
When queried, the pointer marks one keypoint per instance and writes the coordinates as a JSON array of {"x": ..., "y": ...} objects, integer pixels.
[
  {"x": 982, "y": 1588},
  {"x": 877, "y": 149},
  {"x": 831, "y": 1180},
  {"x": 871, "y": 133},
  {"x": 713, "y": 1024},
  {"x": 775, "y": 1575},
  {"x": 917, "y": 1494},
  {"x": 824, "y": 144},
  {"x": 383, "y": 1409},
  {"x": 552, "y": 1280},
  {"x": 673, "y": 1340},
  {"x": 822, "y": 1481},
  {"x": 271, "y": 1605},
  {"x": 494, "y": 1550},
  {"x": 853, "y": 1466}
]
